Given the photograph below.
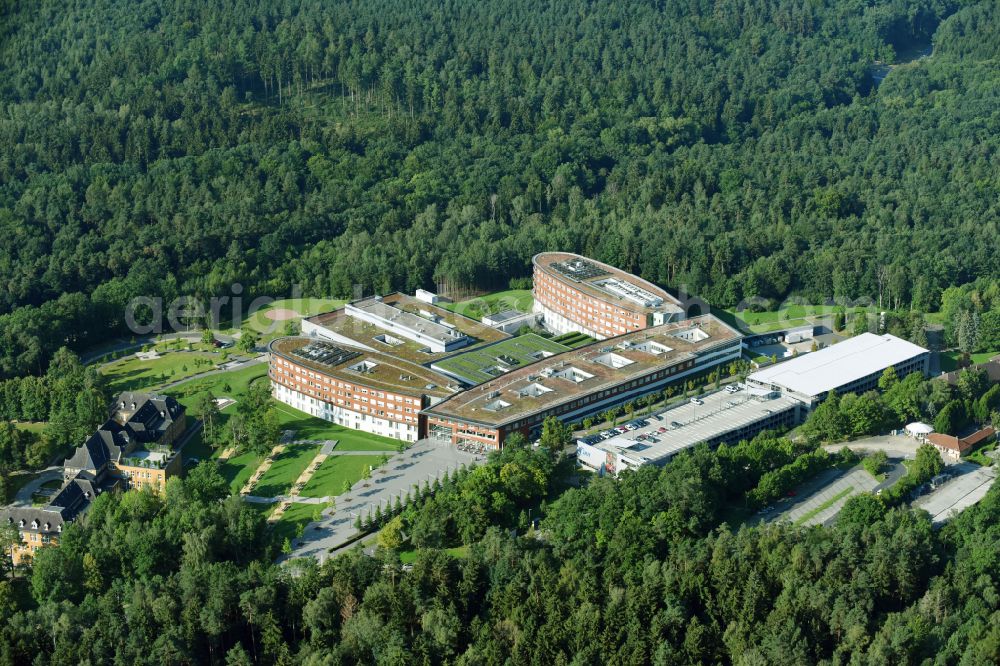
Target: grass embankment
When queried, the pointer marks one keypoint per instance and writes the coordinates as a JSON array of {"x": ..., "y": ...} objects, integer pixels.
[
  {"x": 979, "y": 455},
  {"x": 238, "y": 469},
  {"x": 134, "y": 374},
  {"x": 293, "y": 521},
  {"x": 311, "y": 427},
  {"x": 286, "y": 468},
  {"x": 328, "y": 481}
]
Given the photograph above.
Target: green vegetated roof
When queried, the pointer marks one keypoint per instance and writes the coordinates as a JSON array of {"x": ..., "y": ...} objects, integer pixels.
[{"x": 483, "y": 364}]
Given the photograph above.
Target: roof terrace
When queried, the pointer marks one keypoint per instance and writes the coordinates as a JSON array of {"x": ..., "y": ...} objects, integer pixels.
[
  {"x": 355, "y": 332},
  {"x": 373, "y": 369},
  {"x": 568, "y": 375}
]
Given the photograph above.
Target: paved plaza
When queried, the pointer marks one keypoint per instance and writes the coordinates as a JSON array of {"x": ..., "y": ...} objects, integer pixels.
[
  {"x": 424, "y": 461},
  {"x": 968, "y": 487}
]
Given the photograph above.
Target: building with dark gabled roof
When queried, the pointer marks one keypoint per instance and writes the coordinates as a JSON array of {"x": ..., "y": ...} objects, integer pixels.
[
  {"x": 102, "y": 448},
  {"x": 149, "y": 417},
  {"x": 132, "y": 449},
  {"x": 41, "y": 525}
]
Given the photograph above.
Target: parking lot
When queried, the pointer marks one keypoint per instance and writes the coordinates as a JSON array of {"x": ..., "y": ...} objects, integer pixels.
[
  {"x": 732, "y": 413},
  {"x": 818, "y": 501},
  {"x": 653, "y": 428},
  {"x": 968, "y": 485}
]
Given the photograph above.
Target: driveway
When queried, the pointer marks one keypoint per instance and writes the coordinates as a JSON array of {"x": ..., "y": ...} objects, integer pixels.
[
  {"x": 424, "y": 461},
  {"x": 24, "y": 494},
  {"x": 968, "y": 487}
]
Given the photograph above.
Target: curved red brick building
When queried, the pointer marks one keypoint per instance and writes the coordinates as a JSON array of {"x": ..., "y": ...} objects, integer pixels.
[
  {"x": 355, "y": 388},
  {"x": 574, "y": 293}
]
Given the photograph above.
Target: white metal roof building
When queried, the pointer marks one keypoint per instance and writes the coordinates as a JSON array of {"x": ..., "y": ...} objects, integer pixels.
[
  {"x": 851, "y": 366},
  {"x": 721, "y": 417}
]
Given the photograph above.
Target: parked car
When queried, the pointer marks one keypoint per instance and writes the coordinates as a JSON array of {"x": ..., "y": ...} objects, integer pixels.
[
  {"x": 696, "y": 401},
  {"x": 732, "y": 388},
  {"x": 662, "y": 429},
  {"x": 675, "y": 424}
]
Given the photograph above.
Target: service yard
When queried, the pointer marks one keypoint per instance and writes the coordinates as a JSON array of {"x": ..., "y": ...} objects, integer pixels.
[{"x": 959, "y": 493}]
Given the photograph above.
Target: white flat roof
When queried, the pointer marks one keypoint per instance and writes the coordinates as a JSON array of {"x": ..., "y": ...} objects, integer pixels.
[
  {"x": 721, "y": 412},
  {"x": 820, "y": 372}
]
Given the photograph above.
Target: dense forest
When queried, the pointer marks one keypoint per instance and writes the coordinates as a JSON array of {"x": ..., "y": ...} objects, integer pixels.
[
  {"x": 740, "y": 149},
  {"x": 627, "y": 571}
]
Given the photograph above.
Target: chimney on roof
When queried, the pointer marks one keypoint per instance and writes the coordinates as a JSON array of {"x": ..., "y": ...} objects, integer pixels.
[
  {"x": 162, "y": 414},
  {"x": 123, "y": 404},
  {"x": 133, "y": 405}
]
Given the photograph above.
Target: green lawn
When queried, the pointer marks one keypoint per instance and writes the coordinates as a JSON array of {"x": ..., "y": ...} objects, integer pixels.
[
  {"x": 474, "y": 365},
  {"x": 296, "y": 517},
  {"x": 238, "y": 469},
  {"x": 305, "y": 307},
  {"x": 134, "y": 374},
  {"x": 237, "y": 382},
  {"x": 329, "y": 478},
  {"x": 949, "y": 359},
  {"x": 776, "y": 320},
  {"x": 230, "y": 384},
  {"x": 475, "y": 308},
  {"x": 312, "y": 427},
  {"x": 410, "y": 556},
  {"x": 36, "y": 427},
  {"x": 287, "y": 467}
]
